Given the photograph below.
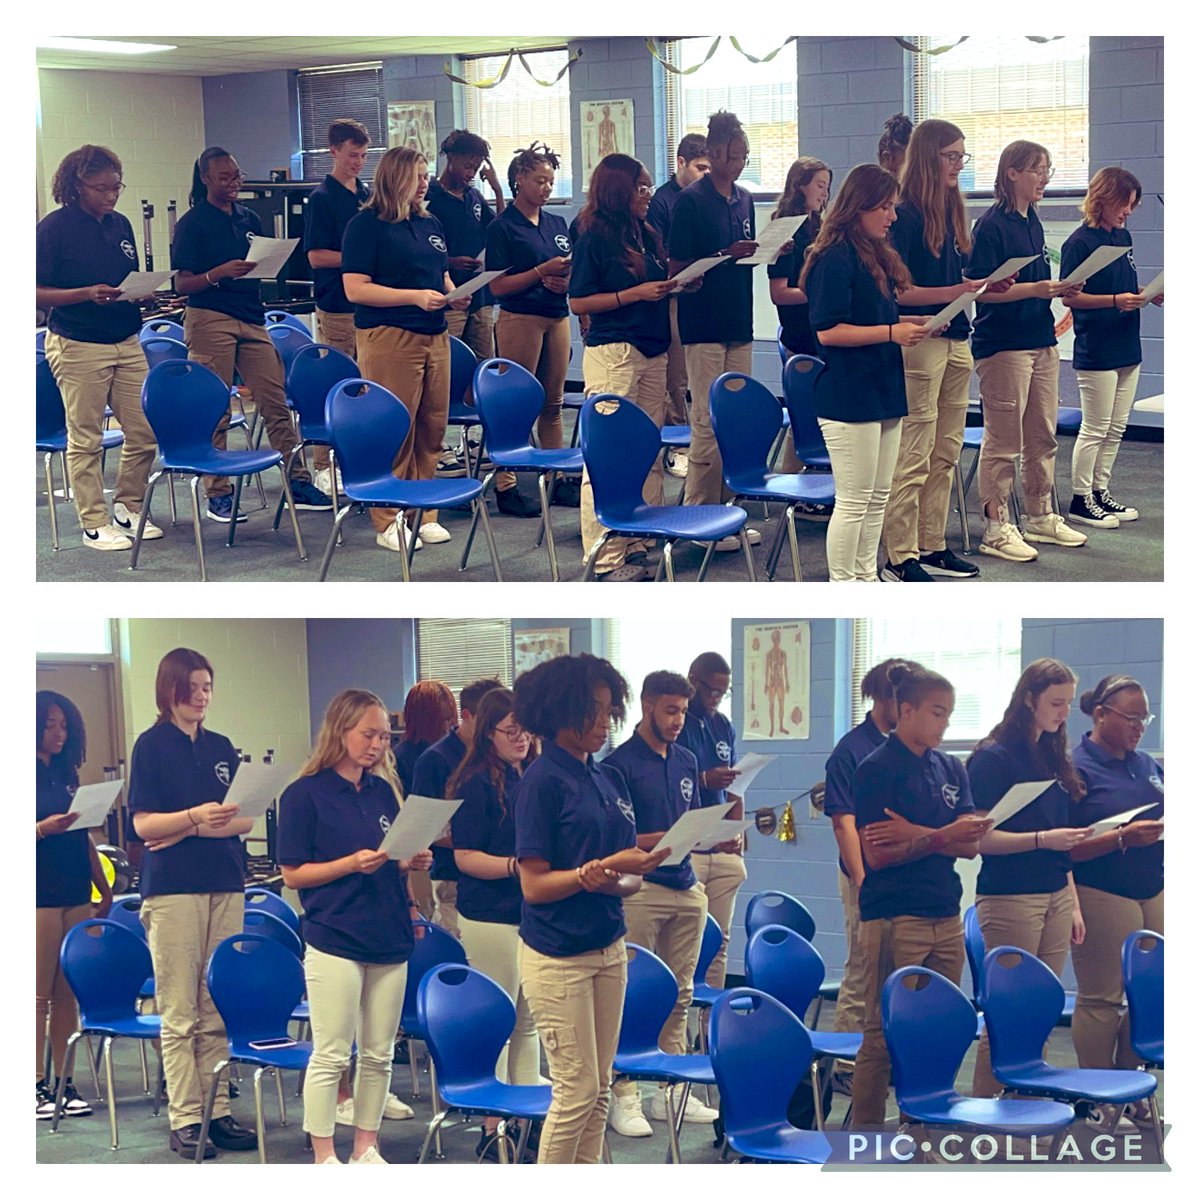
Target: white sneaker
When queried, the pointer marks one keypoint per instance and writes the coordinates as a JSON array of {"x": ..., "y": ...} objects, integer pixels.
[
  {"x": 107, "y": 537},
  {"x": 389, "y": 539},
  {"x": 126, "y": 521},
  {"x": 1003, "y": 540},
  {"x": 331, "y": 1161},
  {"x": 625, "y": 1117},
  {"x": 370, "y": 1157},
  {"x": 344, "y": 1113},
  {"x": 695, "y": 1113},
  {"x": 323, "y": 481},
  {"x": 1053, "y": 529},
  {"x": 394, "y": 1109},
  {"x": 434, "y": 533},
  {"x": 677, "y": 464},
  {"x": 733, "y": 542}
]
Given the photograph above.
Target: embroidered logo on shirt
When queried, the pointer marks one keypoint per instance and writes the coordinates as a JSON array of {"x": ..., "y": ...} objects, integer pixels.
[
  {"x": 1130, "y": 257},
  {"x": 563, "y": 243},
  {"x": 723, "y": 751},
  {"x": 626, "y": 808},
  {"x": 222, "y": 770},
  {"x": 384, "y": 823},
  {"x": 685, "y": 788},
  {"x": 1157, "y": 784},
  {"x": 478, "y": 210},
  {"x": 437, "y": 243},
  {"x": 746, "y": 228},
  {"x": 1046, "y": 255},
  {"x": 130, "y": 252},
  {"x": 950, "y": 794}
]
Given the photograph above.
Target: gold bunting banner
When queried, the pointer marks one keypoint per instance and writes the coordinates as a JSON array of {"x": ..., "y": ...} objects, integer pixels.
[
  {"x": 766, "y": 57},
  {"x": 681, "y": 70},
  {"x": 499, "y": 77},
  {"x": 936, "y": 49}
]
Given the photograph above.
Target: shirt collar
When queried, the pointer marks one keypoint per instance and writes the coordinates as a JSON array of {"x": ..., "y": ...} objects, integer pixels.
[
  {"x": 568, "y": 762},
  {"x": 1094, "y": 750}
]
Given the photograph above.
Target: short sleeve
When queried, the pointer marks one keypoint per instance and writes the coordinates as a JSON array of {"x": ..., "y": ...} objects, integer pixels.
[
  {"x": 830, "y": 288},
  {"x": 783, "y": 267},
  {"x": 430, "y": 776},
  {"x": 144, "y": 779},
  {"x": 1074, "y": 252},
  {"x": 469, "y": 825},
  {"x": 683, "y": 230},
  {"x": 905, "y": 232},
  {"x": 986, "y": 251},
  {"x": 297, "y": 826},
  {"x": 873, "y": 792},
  {"x": 497, "y": 247},
  {"x": 839, "y": 784},
  {"x": 320, "y": 230},
  {"x": 587, "y": 267},
  {"x": 46, "y": 245},
  {"x": 990, "y": 775},
  {"x": 659, "y": 215},
  {"x": 692, "y": 773},
  {"x": 187, "y": 250},
  {"x": 486, "y": 214},
  {"x": 965, "y": 802},
  {"x": 359, "y": 250},
  {"x": 537, "y": 817}
]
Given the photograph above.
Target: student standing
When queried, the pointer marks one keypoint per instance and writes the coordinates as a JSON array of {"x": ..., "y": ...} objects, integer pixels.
[
  {"x": 192, "y": 880},
  {"x": 805, "y": 193},
  {"x": 912, "y": 806},
  {"x": 576, "y": 846},
  {"x": 85, "y": 248},
  {"x": 1016, "y": 355},
  {"x": 396, "y": 271},
  {"x": 224, "y": 325},
  {"x": 1108, "y": 345},
  {"x": 429, "y": 713},
  {"x": 357, "y": 922}
]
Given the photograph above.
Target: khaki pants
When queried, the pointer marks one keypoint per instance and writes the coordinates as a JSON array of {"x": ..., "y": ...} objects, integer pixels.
[
  {"x": 705, "y": 361},
  {"x": 224, "y": 345},
  {"x": 1019, "y": 393},
  {"x": 494, "y": 950},
  {"x": 1039, "y": 923},
  {"x": 576, "y": 1003},
  {"x": 623, "y": 370},
  {"x": 720, "y": 875},
  {"x": 888, "y": 944},
  {"x": 184, "y": 932},
  {"x": 54, "y": 996},
  {"x": 670, "y": 923},
  {"x": 91, "y": 375},
  {"x": 1100, "y": 1028},
  {"x": 415, "y": 368},
  {"x": 1106, "y": 397},
  {"x": 677, "y": 409},
  {"x": 336, "y": 330},
  {"x": 937, "y": 378},
  {"x": 477, "y": 329},
  {"x": 445, "y": 905},
  {"x": 848, "y": 1017}
]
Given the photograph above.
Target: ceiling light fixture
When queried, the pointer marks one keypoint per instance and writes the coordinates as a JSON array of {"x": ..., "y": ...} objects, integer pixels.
[{"x": 100, "y": 45}]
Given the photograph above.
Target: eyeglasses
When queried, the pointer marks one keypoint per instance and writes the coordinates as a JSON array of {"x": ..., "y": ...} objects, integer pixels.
[
  {"x": 225, "y": 180},
  {"x": 105, "y": 189},
  {"x": 954, "y": 158},
  {"x": 712, "y": 691},
  {"x": 1137, "y": 722},
  {"x": 515, "y": 735},
  {"x": 1046, "y": 173},
  {"x": 644, "y": 189}
]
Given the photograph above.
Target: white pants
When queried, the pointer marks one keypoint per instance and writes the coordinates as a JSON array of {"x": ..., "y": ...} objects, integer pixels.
[
  {"x": 863, "y": 457},
  {"x": 350, "y": 1002},
  {"x": 1106, "y": 398}
]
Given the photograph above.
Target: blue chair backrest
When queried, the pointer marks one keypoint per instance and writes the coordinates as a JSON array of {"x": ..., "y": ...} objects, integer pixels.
[
  {"x": 620, "y": 445},
  {"x": 367, "y": 425},
  {"x": 106, "y": 967},
  {"x": 276, "y": 316},
  {"x": 39, "y": 341},
  {"x": 1022, "y": 1001},
  {"x": 467, "y": 1018},
  {"x": 437, "y": 948},
  {"x": 976, "y": 949},
  {"x": 778, "y": 908},
  {"x": 264, "y": 900},
  {"x": 315, "y": 369},
  {"x": 746, "y": 420},
  {"x": 785, "y": 965},
  {"x": 163, "y": 349},
  {"x": 784, "y": 352},
  {"x": 275, "y": 928},
  {"x": 183, "y": 401},
  {"x": 928, "y": 1025},
  {"x": 51, "y": 419},
  {"x": 126, "y": 912},
  {"x": 710, "y": 945},
  {"x": 288, "y": 341},
  {"x": 255, "y": 984},
  {"x": 161, "y": 327},
  {"x": 509, "y": 400},
  {"x": 800, "y": 374},
  {"x": 650, "y": 995},
  {"x": 760, "y": 1055},
  {"x": 462, "y": 373},
  {"x": 1142, "y": 967}
]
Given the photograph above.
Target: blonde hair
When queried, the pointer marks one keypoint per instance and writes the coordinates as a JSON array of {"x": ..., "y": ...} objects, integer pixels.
[
  {"x": 394, "y": 188},
  {"x": 1020, "y": 156},
  {"x": 921, "y": 184},
  {"x": 1109, "y": 185},
  {"x": 343, "y": 714}
]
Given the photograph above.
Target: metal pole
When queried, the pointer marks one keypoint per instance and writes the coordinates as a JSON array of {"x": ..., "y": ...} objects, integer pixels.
[{"x": 148, "y": 233}]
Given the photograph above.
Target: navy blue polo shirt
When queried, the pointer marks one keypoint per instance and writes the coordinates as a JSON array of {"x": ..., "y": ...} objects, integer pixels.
[
  {"x": 484, "y": 821},
  {"x": 841, "y": 765},
  {"x": 170, "y": 773},
  {"x": 397, "y": 254},
  {"x": 1022, "y": 324},
  {"x": 322, "y": 818},
  {"x": 75, "y": 250},
  {"x": 713, "y": 740},
  {"x": 992, "y": 770},
  {"x": 515, "y": 243},
  {"x": 64, "y": 868},
  {"x": 859, "y": 383},
  {"x": 464, "y": 221},
  {"x": 703, "y": 223},
  {"x": 662, "y": 208},
  {"x": 430, "y": 776},
  {"x": 1105, "y": 338},
  {"x": 326, "y": 215},
  {"x": 796, "y": 332},
  {"x": 662, "y": 788},
  {"x": 205, "y": 238},
  {"x": 1115, "y": 786},
  {"x": 930, "y": 790},
  {"x": 569, "y": 813},
  {"x": 600, "y": 265},
  {"x": 406, "y": 763},
  {"x": 929, "y": 270}
]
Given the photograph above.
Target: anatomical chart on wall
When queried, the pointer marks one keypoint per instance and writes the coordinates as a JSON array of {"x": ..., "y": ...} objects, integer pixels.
[{"x": 775, "y": 679}]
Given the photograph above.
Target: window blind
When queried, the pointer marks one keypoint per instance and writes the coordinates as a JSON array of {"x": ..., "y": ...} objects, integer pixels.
[
  {"x": 458, "y": 652},
  {"x": 336, "y": 93}
]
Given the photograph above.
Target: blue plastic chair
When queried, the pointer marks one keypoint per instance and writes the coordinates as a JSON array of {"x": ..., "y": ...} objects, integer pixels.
[
  {"x": 650, "y": 997},
  {"x": 760, "y": 1055},
  {"x": 105, "y": 966},
  {"x": 509, "y": 400},
  {"x": 778, "y": 908},
  {"x": 620, "y": 444},
  {"x": 255, "y": 983},
  {"x": 462, "y": 373},
  {"x": 703, "y": 995},
  {"x": 126, "y": 912},
  {"x": 264, "y": 924},
  {"x": 467, "y": 1018},
  {"x": 276, "y": 317},
  {"x": 39, "y": 340},
  {"x": 800, "y": 374},
  {"x": 928, "y": 1025},
  {"x": 1022, "y": 1000},
  {"x": 747, "y": 421},
  {"x": 972, "y": 440},
  {"x": 50, "y": 436},
  {"x": 161, "y": 327},
  {"x": 1142, "y": 968},
  {"x": 184, "y": 402},
  {"x": 288, "y": 342},
  {"x": 435, "y": 948},
  {"x": 162, "y": 347},
  {"x": 368, "y": 425},
  {"x": 259, "y": 899}
]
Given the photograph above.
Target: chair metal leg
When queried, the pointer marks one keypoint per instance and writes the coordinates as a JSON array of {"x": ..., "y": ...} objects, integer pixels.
[
  {"x": 489, "y": 537},
  {"x": 487, "y": 483},
  {"x": 542, "y": 523},
  {"x": 171, "y": 498},
  {"x": 51, "y": 502},
  {"x": 112, "y": 1092},
  {"x": 237, "y": 508},
  {"x": 774, "y": 551},
  {"x": 287, "y": 491},
  {"x": 790, "y": 518},
  {"x": 408, "y": 551},
  {"x": 194, "y": 488},
  {"x": 502, "y": 1142},
  {"x": 258, "y": 1114},
  {"x": 68, "y": 1068},
  {"x": 960, "y": 491},
  {"x": 434, "y": 1126},
  {"x": 546, "y": 527},
  {"x": 412, "y": 1066},
  {"x": 333, "y": 479},
  {"x": 660, "y": 570},
  {"x": 291, "y": 456},
  {"x": 707, "y": 562},
  {"x": 747, "y": 555},
  {"x": 279, "y": 1089},
  {"x": 94, "y": 1060},
  {"x": 335, "y": 539},
  {"x": 433, "y": 1092},
  {"x": 1159, "y": 1138},
  {"x": 668, "y": 561},
  {"x": 145, "y": 1066},
  {"x": 523, "y": 1140},
  {"x": 151, "y": 483},
  {"x": 814, "y": 1073},
  {"x": 673, "y": 1155},
  {"x": 590, "y": 565},
  {"x": 206, "y": 1120}
]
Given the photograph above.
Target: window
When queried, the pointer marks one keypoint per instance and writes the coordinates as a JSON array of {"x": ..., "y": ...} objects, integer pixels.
[
  {"x": 74, "y": 635},
  {"x": 459, "y": 652},
  {"x": 340, "y": 92},
  {"x": 521, "y": 111},
  {"x": 762, "y": 94},
  {"x": 981, "y": 658},
  {"x": 1001, "y": 89}
]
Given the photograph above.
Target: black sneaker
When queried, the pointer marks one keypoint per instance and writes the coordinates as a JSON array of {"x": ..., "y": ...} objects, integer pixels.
[
  {"x": 1086, "y": 510},
  {"x": 566, "y": 493},
  {"x": 909, "y": 571},
  {"x": 74, "y": 1105},
  {"x": 512, "y": 504},
  {"x": 1121, "y": 511},
  {"x": 227, "y": 1134},
  {"x": 185, "y": 1140},
  {"x": 220, "y": 508},
  {"x": 45, "y": 1101},
  {"x": 308, "y": 498},
  {"x": 947, "y": 565},
  {"x": 400, "y": 1053}
]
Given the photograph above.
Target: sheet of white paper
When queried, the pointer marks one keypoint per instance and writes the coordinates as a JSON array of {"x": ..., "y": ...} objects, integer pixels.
[
  {"x": 1154, "y": 287},
  {"x": 137, "y": 285},
  {"x": 418, "y": 825},
  {"x": 92, "y": 802},
  {"x": 473, "y": 284},
  {"x": 692, "y": 826},
  {"x": 269, "y": 256},
  {"x": 696, "y": 269},
  {"x": 1162, "y": 835},
  {"x": 1015, "y": 799},
  {"x": 729, "y": 830},
  {"x": 952, "y": 309},
  {"x": 1096, "y": 261},
  {"x": 772, "y": 239},
  {"x": 1111, "y": 823},
  {"x": 1011, "y": 267},
  {"x": 747, "y": 768},
  {"x": 256, "y": 784}
]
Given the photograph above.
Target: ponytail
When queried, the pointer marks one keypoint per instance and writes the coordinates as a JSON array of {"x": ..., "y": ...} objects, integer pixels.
[
  {"x": 912, "y": 683},
  {"x": 199, "y": 190}
]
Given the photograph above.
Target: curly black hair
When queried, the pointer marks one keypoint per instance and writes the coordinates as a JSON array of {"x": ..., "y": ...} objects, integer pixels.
[
  {"x": 463, "y": 141},
  {"x": 74, "y": 750},
  {"x": 560, "y": 694},
  {"x": 529, "y": 159},
  {"x": 723, "y": 127},
  {"x": 79, "y": 165}
]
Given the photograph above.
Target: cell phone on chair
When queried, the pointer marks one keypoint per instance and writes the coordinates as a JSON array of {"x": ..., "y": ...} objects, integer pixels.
[{"x": 279, "y": 1043}]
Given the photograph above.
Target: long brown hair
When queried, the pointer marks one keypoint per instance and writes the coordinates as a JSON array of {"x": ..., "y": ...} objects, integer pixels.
[
  {"x": 608, "y": 213},
  {"x": 1020, "y": 156},
  {"x": 791, "y": 201},
  {"x": 429, "y": 711},
  {"x": 867, "y": 187},
  {"x": 921, "y": 185},
  {"x": 173, "y": 684},
  {"x": 481, "y": 757},
  {"x": 343, "y": 714}
]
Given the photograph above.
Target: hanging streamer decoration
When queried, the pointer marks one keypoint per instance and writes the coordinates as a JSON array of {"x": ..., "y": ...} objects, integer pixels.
[
  {"x": 674, "y": 70},
  {"x": 501, "y": 75},
  {"x": 787, "y": 824},
  {"x": 934, "y": 50},
  {"x": 766, "y": 58},
  {"x": 780, "y": 819}
]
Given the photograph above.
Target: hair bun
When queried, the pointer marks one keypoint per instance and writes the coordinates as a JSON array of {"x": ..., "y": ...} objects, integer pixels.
[{"x": 1087, "y": 702}]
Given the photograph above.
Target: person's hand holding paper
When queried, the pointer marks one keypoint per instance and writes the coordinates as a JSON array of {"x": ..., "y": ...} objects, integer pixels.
[{"x": 417, "y": 826}]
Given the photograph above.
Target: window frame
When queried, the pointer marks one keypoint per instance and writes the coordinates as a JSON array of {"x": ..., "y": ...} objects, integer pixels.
[
  {"x": 318, "y": 130},
  {"x": 458, "y": 651}
]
